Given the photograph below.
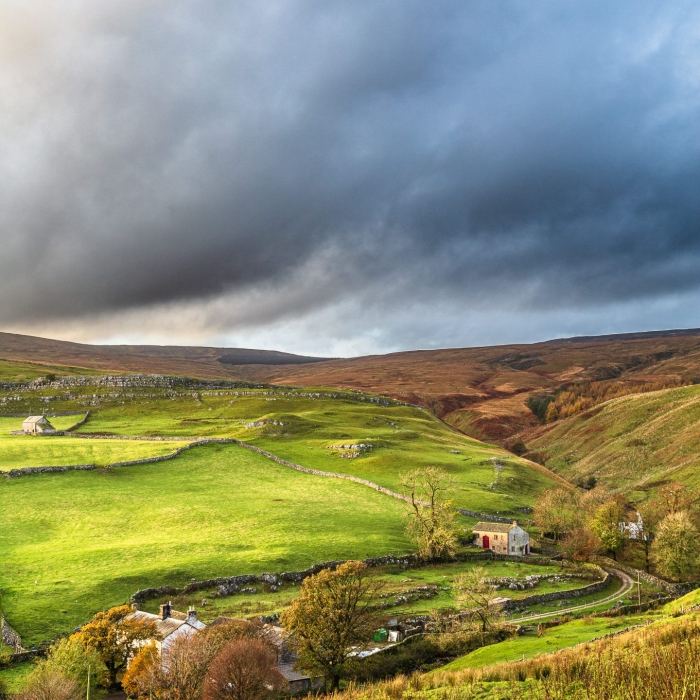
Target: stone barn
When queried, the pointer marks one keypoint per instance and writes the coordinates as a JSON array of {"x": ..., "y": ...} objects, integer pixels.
[
  {"x": 37, "y": 425},
  {"x": 502, "y": 538}
]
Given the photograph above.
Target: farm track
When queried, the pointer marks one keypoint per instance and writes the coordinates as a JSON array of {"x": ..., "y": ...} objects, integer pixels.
[{"x": 627, "y": 585}]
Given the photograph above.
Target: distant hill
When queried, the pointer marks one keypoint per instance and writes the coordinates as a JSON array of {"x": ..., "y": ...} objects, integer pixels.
[
  {"x": 484, "y": 392},
  {"x": 204, "y": 362},
  {"x": 633, "y": 444}
]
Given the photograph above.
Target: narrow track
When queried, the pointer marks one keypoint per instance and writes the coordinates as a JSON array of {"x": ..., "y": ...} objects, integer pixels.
[{"x": 627, "y": 585}]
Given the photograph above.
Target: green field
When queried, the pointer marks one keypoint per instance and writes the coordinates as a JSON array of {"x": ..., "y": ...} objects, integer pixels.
[
  {"x": 77, "y": 542},
  {"x": 74, "y": 543},
  {"x": 630, "y": 444},
  {"x": 313, "y": 423},
  {"x": 526, "y": 646},
  {"x": 40, "y": 451},
  {"x": 12, "y": 371}
]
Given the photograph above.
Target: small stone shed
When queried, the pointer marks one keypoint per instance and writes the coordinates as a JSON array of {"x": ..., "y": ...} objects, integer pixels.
[
  {"x": 37, "y": 425},
  {"x": 502, "y": 538}
]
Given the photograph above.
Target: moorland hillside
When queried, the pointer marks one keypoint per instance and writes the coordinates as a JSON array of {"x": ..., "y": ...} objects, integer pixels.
[
  {"x": 632, "y": 444},
  {"x": 488, "y": 392}
]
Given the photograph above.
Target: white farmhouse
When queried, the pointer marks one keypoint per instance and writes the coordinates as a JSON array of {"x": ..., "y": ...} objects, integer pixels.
[
  {"x": 37, "y": 425},
  {"x": 502, "y": 538},
  {"x": 170, "y": 624}
]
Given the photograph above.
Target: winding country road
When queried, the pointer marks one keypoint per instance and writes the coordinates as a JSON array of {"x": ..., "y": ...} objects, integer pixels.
[{"x": 627, "y": 585}]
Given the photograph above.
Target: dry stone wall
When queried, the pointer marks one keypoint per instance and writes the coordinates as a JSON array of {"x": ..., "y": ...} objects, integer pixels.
[
  {"x": 667, "y": 587},
  {"x": 561, "y": 595},
  {"x": 9, "y": 636},
  {"x": 228, "y": 585}
]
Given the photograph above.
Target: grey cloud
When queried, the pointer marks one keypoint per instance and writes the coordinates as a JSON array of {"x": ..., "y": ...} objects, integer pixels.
[{"x": 270, "y": 160}]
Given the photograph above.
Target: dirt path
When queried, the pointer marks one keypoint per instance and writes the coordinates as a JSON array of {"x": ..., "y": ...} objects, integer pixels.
[{"x": 627, "y": 585}]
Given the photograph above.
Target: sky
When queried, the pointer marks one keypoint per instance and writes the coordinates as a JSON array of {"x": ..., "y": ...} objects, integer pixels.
[{"x": 342, "y": 178}]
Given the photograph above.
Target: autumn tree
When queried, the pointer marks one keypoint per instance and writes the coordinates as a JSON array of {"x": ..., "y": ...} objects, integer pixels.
[
  {"x": 182, "y": 672},
  {"x": 140, "y": 679},
  {"x": 334, "y": 612},
  {"x": 114, "y": 638},
  {"x": 556, "y": 512},
  {"x": 475, "y": 596},
  {"x": 675, "y": 548},
  {"x": 580, "y": 543},
  {"x": 673, "y": 498},
  {"x": 245, "y": 669},
  {"x": 431, "y": 518},
  {"x": 606, "y": 525}
]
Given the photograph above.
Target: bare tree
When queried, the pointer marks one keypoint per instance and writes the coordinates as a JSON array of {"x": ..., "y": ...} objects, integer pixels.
[
  {"x": 476, "y": 596},
  {"x": 245, "y": 669},
  {"x": 431, "y": 523},
  {"x": 556, "y": 512},
  {"x": 48, "y": 683}
]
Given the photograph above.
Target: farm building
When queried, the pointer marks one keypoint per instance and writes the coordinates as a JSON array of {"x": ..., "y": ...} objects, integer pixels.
[
  {"x": 296, "y": 683},
  {"x": 502, "y": 538},
  {"x": 170, "y": 624},
  {"x": 37, "y": 425}
]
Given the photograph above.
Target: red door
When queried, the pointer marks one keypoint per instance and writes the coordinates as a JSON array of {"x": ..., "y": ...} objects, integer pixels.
[{"x": 485, "y": 541}]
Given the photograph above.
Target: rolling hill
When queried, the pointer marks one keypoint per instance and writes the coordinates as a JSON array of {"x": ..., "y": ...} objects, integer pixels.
[
  {"x": 483, "y": 392},
  {"x": 631, "y": 444}
]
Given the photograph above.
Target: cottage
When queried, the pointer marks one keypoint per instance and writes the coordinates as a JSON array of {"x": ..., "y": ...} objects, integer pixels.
[
  {"x": 502, "y": 538},
  {"x": 37, "y": 425},
  {"x": 297, "y": 683},
  {"x": 170, "y": 624}
]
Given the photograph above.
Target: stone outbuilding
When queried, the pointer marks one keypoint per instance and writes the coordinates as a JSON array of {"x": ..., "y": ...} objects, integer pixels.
[
  {"x": 502, "y": 538},
  {"x": 37, "y": 425}
]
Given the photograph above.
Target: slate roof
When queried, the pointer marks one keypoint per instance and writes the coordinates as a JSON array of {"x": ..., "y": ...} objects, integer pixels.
[
  {"x": 287, "y": 670},
  {"x": 164, "y": 628},
  {"x": 35, "y": 419},
  {"x": 494, "y": 527}
]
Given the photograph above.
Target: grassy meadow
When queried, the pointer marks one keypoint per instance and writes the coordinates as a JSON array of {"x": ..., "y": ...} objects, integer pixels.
[
  {"x": 58, "y": 451},
  {"x": 13, "y": 371},
  {"x": 630, "y": 444},
  {"x": 309, "y": 428},
  {"x": 532, "y": 644},
  {"x": 75, "y": 543}
]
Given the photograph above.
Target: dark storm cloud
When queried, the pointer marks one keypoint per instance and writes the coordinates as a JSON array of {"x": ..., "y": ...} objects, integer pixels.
[{"x": 284, "y": 155}]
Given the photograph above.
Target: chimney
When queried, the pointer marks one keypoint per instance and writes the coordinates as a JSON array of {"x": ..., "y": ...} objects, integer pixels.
[
  {"x": 515, "y": 522},
  {"x": 191, "y": 615},
  {"x": 165, "y": 610}
]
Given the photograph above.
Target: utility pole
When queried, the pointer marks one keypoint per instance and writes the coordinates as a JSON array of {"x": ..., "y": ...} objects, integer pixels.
[
  {"x": 639, "y": 590},
  {"x": 88, "y": 686}
]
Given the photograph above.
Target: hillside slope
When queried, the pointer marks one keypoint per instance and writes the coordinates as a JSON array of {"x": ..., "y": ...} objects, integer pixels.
[
  {"x": 634, "y": 443},
  {"x": 481, "y": 391},
  {"x": 203, "y": 362}
]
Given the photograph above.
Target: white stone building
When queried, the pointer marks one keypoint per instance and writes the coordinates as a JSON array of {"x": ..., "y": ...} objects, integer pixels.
[
  {"x": 170, "y": 625},
  {"x": 502, "y": 538}
]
